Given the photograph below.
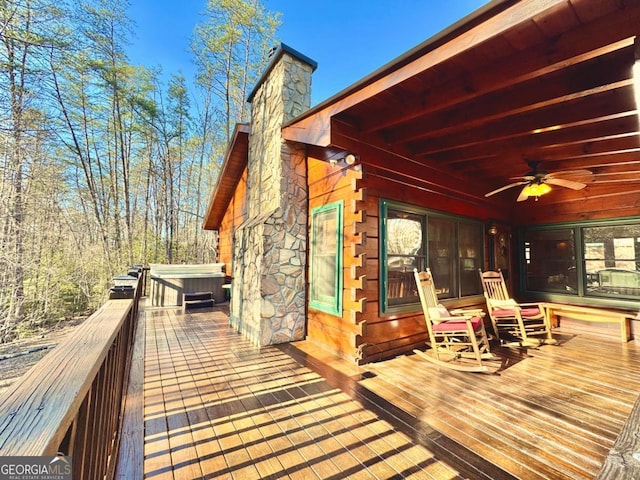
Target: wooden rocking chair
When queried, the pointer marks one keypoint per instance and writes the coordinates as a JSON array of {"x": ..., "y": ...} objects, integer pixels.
[
  {"x": 527, "y": 323},
  {"x": 458, "y": 339}
]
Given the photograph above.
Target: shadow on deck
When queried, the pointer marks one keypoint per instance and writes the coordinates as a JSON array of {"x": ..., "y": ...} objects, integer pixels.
[{"x": 213, "y": 406}]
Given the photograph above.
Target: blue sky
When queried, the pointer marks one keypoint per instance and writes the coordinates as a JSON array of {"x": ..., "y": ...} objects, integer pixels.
[{"x": 348, "y": 38}]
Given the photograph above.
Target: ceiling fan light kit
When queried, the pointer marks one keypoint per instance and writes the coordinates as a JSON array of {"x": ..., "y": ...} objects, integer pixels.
[{"x": 536, "y": 190}]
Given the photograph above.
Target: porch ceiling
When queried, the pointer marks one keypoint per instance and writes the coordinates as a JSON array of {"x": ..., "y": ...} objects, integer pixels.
[{"x": 549, "y": 81}]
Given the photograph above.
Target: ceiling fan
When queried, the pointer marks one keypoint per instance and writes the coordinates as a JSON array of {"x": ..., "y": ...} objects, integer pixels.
[{"x": 536, "y": 182}]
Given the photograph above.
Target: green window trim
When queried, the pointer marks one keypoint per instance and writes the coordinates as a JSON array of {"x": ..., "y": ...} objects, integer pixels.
[{"x": 326, "y": 262}]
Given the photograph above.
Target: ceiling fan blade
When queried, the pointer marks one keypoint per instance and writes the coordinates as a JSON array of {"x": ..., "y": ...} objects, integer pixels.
[
  {"x": 563, "y": 182},
  {"x": 565, "y": 173},
  {"x": 505, "y": 188},
  {"x": 523, "y": 194},
  {"x": 528, "y": 178}
]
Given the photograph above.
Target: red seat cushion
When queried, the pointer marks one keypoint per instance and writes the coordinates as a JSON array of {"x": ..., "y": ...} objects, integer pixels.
[
  {"x": 525, "y": 312},
  {"x": 451, "y": 325}
]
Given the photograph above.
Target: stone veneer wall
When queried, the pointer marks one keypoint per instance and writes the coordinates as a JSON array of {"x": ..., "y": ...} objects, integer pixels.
[{"x": 268, "y": 301}]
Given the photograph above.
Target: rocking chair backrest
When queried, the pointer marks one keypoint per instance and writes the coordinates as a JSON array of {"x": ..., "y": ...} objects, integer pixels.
[
  {"x": 426, "y": 290},
  {"x": 494, "y": 286},
  {"x": 428, "y": 297}
]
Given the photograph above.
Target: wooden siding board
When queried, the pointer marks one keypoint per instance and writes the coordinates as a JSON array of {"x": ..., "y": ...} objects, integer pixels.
[
  {"x": 337, "y": 340},
  {"x": 231, "y": 172},
  {"x": 618, "y": 201}
]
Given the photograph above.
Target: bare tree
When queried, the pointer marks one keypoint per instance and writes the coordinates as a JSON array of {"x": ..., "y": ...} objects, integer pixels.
[
  {"x": 22, "y": 43},
  {"x": 230, "y": 48}
]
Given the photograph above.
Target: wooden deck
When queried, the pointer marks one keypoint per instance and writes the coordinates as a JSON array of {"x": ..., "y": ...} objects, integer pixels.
[{"x": 216, "y": 407}]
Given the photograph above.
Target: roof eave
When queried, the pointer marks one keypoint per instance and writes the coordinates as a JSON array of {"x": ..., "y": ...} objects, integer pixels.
[{"x": 231, "y": 170}]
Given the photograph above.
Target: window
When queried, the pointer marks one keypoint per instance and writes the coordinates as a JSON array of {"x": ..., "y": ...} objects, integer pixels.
[
  {"x": 550, "y": 261},
  {"x": 413, "y": 237},
  {"x": 325, "y": 276},
  {"x": 587, "y": 260},
  {"x": 612, "y": 260},
  {"x": 405, "y": 251}
]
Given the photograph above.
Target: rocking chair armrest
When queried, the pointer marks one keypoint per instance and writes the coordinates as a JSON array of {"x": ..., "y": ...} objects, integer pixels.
[
  {"x": 502, "y": 304},
  {"x": 453, "y": 318},
  {"x": 539, "y": 305},
  {"x": 467, "y": 312}
]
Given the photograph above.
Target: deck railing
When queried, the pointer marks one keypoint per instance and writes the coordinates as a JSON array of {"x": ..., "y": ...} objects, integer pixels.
[{"x": 71, "y": 402}]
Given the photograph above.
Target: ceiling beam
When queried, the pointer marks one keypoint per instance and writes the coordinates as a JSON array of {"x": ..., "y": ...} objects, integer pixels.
[
  {"x": 587, "y": 42},
  {"x": 556, "y": 117},
  {"x": 602, "y": 129},
  {"x": 561, "y": 87}
]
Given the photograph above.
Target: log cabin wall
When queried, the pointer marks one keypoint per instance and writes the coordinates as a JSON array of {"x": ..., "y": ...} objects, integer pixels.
[
  {"x": 597, "y": 202},
  {"x": 393, "y": 334},
  {"x": 327, "y": 184},
  {"x": 234, "y": 216},
  {"x": 382, "y": 177}
]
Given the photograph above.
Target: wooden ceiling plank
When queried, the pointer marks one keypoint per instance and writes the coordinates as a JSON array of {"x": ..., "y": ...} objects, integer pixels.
[
  {"x": 524, "y": 36},
  {"x": 608, "y": 128},
  {"x": 509, "y": 156},
  {"x": 592, "y": 148},
  {"x": 556, "y": 20},
  {"x": 629, "y": 161},
  {"x": 599, "y": 106},
  {"x": 588, "y": 10}
]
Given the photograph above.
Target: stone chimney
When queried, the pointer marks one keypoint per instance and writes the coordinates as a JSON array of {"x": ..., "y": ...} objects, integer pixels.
[{"x": 268, "y": 301}]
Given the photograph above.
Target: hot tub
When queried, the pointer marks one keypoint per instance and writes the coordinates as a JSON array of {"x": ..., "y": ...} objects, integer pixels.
[{"x": 169, "y": 282}]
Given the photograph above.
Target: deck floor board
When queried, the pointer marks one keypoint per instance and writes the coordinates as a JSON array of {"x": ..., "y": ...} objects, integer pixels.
[{"x": 217, "y": 407}]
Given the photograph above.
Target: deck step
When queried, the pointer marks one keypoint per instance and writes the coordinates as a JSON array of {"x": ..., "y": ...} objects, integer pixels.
[
  {"x": 197, "y": 300},
  {"x": 198, "y": 304},
  {"x": 197, "y": 296}
]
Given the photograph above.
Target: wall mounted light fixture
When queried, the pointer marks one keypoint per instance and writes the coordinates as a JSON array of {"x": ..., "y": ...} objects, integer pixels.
[{"x": 350, "y": 159}]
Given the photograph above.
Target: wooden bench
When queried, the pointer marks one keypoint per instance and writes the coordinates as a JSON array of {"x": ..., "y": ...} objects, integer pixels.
[{"x": 591, "y": 314}]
